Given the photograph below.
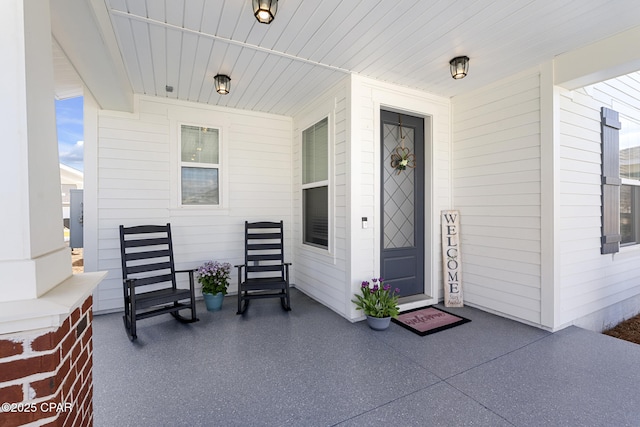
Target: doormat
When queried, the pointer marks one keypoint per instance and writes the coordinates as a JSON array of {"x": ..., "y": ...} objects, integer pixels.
[{"x": 428, "y": 320}]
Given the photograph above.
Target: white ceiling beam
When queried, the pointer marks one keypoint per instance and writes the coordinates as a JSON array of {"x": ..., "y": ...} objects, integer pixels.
[
  {"x": 84, "y": 33},
  {"x": 603, "y": 60}
]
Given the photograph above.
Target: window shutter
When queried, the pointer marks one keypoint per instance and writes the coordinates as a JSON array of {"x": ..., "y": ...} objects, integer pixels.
[{"x": 610, "y": 181}]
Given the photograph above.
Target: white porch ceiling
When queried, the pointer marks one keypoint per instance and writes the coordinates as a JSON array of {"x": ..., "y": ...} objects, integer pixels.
[{"x": 310, "y": 45}]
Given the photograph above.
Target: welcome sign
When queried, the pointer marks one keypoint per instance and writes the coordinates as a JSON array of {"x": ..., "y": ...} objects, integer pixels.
[{"x": 451, "y": 259}]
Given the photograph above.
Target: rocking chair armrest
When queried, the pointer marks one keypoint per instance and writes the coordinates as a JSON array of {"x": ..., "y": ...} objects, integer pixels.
[{"x": 191, "y": 276}]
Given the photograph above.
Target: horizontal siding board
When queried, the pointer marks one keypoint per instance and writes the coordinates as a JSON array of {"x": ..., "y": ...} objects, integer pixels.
[
  {"x": 590, "y": 281},
  {"x": 504, "y": 114},
  {"x": 500, "y": 92},
  {"x": 133, "y": 145},
  {"x": 509, "y": 222},
  {"x": 494, "y": 302},
  {"x": 500, "y": 189},
  {"x": 520, "y": 245},
  {"x": 491, "y": 127},
  {"x": 520, "y": 285},
  {"x": 478, "y": 146},
  {"x": 502, "y": 231},
  {"x": 500, "y": 253},
  {"x": 496, "y": 172},
  {"x": 136, "y": 175},
  {"x": 503, "y": 265},
  {"x": 498, "y": 157},
  {"x": 496, "y": 178},
  {"x": 506, "y": 200}
]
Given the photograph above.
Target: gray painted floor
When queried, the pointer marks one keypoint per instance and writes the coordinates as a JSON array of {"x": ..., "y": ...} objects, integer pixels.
[{"x": 311, "y": 367}]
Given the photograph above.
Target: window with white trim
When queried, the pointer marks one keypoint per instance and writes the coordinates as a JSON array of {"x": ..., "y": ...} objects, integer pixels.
[
  {"x": 315, "y": 184},
  {"x": 199, "y": 166},
  {"x": 630, "y": 176}
]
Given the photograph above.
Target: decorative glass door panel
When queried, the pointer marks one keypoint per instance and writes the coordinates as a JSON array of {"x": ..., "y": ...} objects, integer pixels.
[{"x": 402, "y": 195}]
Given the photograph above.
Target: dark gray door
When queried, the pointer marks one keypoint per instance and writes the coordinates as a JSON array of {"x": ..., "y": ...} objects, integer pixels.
[{"x": 402, "y": 210}]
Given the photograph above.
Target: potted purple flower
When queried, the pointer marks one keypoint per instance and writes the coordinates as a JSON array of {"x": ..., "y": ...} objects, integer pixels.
[
  {"x": 378, "y": 302},
  {"x": 214, "y": 278}
]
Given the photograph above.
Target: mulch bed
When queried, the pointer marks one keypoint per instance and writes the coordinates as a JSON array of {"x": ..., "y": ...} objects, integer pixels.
[{"x": 628, "y": 330}]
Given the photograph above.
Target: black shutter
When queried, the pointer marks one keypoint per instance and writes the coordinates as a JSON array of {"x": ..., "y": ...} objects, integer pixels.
[{"x": 610, "y": 181}]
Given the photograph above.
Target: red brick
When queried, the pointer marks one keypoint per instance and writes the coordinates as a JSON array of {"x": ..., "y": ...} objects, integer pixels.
[
  {"x": 68, "y": 419},
  {"x": 50, "y": 340},
  {"x": 24, "y": 367},
  {"x": 12, "y": 419},
  {"x": 67, "y": 343},
  {"x": 45, "y": 387},
  {"x": 10, "y": 348},
  {"x": 87, "y": 304},
  {"x": 63, "y": 371},
  {"x": 68, "y": 382},
  {"x": 88, "y": 401},
  {"x": 87, "y": 372},
  {"x": 88, "y": 335},
  {"x": 87, "y": 421},
  {"x": 11, "y": 394},
  {"x": 75, "y": 316},
  {"x": 76, "y": 350},
  {"x": 50, "y": 386},
  {"x": 82, "y": 360},
  {"x": 55, "y": 423},
  {"x": 77, "y": 386}
]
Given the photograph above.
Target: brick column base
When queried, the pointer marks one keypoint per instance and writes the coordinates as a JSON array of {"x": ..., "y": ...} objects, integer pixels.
[{"x": 46, "y": 376}]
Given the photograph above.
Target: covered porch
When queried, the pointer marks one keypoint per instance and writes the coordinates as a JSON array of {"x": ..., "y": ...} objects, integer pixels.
[
  {"x": 312, "y": 367},
  {"x": 514, "y": 146}
]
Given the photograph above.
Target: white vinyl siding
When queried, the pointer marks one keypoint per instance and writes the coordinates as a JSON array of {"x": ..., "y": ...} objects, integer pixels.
[
  {"x": 497, "y": 189},
  {"x": 137, "y": 174},
  {"x": 353, "y": 106},
  {"x": 592, "y": 282},
  {"x": 321, "y": 272}
]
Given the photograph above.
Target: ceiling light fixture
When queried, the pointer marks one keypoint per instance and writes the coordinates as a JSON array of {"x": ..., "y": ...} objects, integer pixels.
[
  {"x": 265, "y": 10},
  {"x": 459, "y": 66},
  {"x": 222, "y": 84}
]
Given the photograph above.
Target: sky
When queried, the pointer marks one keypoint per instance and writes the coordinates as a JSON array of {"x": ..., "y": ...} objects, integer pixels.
[{"x": 70, "y": 132}]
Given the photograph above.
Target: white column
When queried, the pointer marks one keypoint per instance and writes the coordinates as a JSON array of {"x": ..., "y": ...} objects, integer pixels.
[{"x": 33, "y": 256}]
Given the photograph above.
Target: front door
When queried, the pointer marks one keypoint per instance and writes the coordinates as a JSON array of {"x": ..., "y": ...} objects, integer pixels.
[{"x": 402, "y": 210}]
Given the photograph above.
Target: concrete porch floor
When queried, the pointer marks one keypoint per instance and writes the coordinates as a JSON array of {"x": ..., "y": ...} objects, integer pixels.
[{"x": 311, "y": 367}]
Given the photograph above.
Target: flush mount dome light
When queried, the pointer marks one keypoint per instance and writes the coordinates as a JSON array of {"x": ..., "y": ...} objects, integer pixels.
[
  {"x": 265, "y": 10},
  {"x": 222, "y": 84},
  {"x": 459, "y": 67}
]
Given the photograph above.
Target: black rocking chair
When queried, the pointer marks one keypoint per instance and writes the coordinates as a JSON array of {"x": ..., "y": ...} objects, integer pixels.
[
  {"x": 149, "y": 277},
  {"x": 264, "y": 273}
]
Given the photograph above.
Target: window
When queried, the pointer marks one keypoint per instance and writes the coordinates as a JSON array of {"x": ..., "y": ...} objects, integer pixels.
[
  {"x": 199, "y": 165},
  {"x": 630, "y": 175},
  {"x": 315, "y": 184}
]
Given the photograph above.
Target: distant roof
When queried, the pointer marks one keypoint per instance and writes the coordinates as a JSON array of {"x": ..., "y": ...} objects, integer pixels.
[{"x": 69, "y": 175}]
